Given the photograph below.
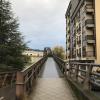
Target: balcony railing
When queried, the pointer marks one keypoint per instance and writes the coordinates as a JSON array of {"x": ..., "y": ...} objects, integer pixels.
[
  {"x": 73, "y": 56},
  {"x": 74, "y": 44},
  {"x": 88, "y": 54},
  {"x": 69, "y": 40},
  {"x": 89, "y": 23},
  {"x": 79, "y": 54},
  {"x": 90, "y": 39},
  {"x": 89, "y": 8},
  {"x": 89, "y": 1}
]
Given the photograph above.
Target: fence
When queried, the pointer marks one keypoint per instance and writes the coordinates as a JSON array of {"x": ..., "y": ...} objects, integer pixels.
[
  {"x": 14, "y": 85},
  {"x": 83, "y": 73}
]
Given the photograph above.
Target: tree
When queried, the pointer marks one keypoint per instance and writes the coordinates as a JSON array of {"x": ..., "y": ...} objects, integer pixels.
[
  {"x": 11, "y": 41},
  {"x": 59, "y": 51}
]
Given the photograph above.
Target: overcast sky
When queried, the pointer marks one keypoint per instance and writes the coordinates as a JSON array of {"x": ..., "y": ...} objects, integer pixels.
[{"x": 42, "y": 22}]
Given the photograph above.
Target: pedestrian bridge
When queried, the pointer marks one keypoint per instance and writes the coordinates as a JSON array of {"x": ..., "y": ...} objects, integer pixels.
[
  {"x": 50, "y": 78},
  {"x": 50, "y": 84}
]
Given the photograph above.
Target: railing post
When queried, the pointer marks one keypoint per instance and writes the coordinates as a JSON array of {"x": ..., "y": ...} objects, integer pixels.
[
  {"x": 19, "y": 86},
  {"x": 87, "y": 78},
  {"x": 70, "y": 68},
  {"x": 64, "y": 69},
  {"x": 67, "y": 69},
  {"x": 76, "y": 72}
]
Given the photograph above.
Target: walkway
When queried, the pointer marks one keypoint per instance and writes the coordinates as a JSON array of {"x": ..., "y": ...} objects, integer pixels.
[{"x": 51, "y": 85}]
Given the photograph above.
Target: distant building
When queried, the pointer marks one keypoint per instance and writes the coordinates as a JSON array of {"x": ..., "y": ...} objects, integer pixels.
[
  {"x": 33, "y": 53},
  {"x": 82, "y": 30}
]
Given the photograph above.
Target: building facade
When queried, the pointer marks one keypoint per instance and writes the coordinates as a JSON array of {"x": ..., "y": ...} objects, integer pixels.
[
  {"x": 33, "y": 53},
  {"x": 81, "y": 32},
  {"x": 97, "y": 20}
]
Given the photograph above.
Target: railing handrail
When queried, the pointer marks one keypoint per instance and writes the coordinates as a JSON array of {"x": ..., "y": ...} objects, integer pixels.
[
  {"x": 75, "y": 71},
  {"x": 59, "y": 58},
  {"x": 1, "y": 73},
  {"x": 24, "y": 81},
  {"x": 86, "y": 64},
  {"x": 31, "y": 66}
]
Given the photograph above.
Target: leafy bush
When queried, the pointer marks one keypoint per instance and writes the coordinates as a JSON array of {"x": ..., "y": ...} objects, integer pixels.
[{"x": 59, "y": 51}]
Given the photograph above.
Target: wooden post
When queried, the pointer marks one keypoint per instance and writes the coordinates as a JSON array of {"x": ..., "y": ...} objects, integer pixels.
[
  {"x": 70, "y": 68},
  {"x": 66, "y": 69},
  {"x": 88, "y": 76},
  {"x": 76, "y": 72},
  {"x": 19, "y": 86},
  {"x": 64, "y": 65}
]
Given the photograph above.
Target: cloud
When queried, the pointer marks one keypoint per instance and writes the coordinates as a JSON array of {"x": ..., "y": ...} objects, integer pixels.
[{"x": 42, "y": 21}]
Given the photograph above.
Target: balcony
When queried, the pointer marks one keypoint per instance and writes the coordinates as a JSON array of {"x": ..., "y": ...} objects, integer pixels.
[
  {"x": 79, "y": 41},
  {"x": 74, "y": 44},
  {"x": 68, "y": 52},
  {"x": 68, "y": 19},
  {"x": 90, "y": 54},
  {"x": 68, "y": 28},
  {"x": 89, "y": 23},
  {"x": 68, "y": 36},
  {"x": 84, "y": 53},
  {"x": 68, "y": 39},
  {"x": 89, "y": 9},
  {"x": 73, "y": 56},
  {"x": 68, "y": 31},
  {"x": 68, "y": 48},
  {"x": 90, "y": 39},
  {"x": 66, "y": 42},
  {"x": 79, "y": 54},
  {"x": 89, "y": 1}
]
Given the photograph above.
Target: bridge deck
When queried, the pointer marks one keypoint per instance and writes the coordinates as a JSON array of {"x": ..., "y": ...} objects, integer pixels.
[{"x": 51, "y": 85}]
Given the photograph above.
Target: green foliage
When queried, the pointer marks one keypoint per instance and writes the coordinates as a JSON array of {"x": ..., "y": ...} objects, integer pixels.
[
  {"x": 26, "y": 59},
  {"x": 11, "y": 41},
  {"x": 59, "y": 51}
]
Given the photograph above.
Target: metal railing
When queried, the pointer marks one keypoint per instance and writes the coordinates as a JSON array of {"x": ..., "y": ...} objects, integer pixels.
[
  {"x": 89, "y": 22},
  {"x": 21, "y": 80},
  {"x": 7, "y": 78},
  {"x": 82, "y": 73},
  {"x": 61, "y": 63},
  {"x": 7, "y": 85},
  {"x": 25, "y": 79}
]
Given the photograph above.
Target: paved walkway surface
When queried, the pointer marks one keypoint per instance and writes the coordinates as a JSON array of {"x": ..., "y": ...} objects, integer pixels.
[
  {"x": 51, "y": 85},
  {"x": 51, "y": 89},
  {"x": 50, "y": 70}
]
